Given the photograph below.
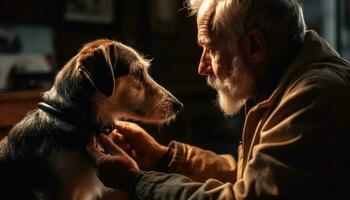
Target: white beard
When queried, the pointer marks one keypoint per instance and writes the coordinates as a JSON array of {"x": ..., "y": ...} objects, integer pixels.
[
  {"x": 229, "y": 104},
  {"x": 234, "y": 89}
]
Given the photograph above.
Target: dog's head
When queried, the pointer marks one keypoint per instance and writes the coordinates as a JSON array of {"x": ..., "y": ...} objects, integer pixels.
[{"x": 124, "y": 87}]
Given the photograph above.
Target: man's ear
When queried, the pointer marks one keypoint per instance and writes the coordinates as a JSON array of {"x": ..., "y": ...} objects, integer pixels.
[
  {"x": 255, "y": 46},
  {"x": 97, "y": 67}
]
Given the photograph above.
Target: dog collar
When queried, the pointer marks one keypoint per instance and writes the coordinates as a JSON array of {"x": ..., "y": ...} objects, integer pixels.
[{"x": 73, "y": 121}]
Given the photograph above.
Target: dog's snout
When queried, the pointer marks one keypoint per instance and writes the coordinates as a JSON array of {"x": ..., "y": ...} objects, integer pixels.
[{"x": 177, "y": 106}]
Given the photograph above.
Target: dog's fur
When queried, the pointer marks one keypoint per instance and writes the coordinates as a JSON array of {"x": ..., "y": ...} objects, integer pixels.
[{"x": 45, "y": 158}]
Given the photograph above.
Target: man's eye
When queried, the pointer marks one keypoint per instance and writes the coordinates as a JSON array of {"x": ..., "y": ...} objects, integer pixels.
[{"x": 139, "y": 74}]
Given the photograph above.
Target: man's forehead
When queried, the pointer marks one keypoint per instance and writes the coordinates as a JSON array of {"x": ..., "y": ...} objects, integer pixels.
[
  {"x": 206, "y": 10},
  {"x": 204, "y": 18}
]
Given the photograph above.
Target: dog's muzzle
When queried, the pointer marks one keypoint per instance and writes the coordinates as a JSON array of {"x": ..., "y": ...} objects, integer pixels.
[{"x": 177, "y": 106}]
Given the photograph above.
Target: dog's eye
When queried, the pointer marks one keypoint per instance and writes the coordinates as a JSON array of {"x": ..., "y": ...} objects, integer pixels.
[{"x": 139, "y": 74}]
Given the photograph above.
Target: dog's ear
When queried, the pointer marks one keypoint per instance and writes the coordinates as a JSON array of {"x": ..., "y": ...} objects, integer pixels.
[{"x": 98, "y": 67}]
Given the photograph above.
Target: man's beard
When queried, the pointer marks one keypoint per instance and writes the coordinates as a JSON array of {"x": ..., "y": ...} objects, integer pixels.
[{"x": 233, "y": 88}]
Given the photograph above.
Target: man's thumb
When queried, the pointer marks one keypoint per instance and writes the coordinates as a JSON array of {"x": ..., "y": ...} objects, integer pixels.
[
  {"x": 126, "y": 129},
  {"x": 109, "y": 145}
]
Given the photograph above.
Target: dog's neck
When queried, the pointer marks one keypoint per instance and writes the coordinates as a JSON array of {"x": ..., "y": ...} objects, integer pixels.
[
  {"x": 70, "y": 101},
  {"x": 74, "y": 122}
]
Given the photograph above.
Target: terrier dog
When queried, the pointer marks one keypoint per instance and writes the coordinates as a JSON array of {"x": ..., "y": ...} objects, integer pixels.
[{"x": 44, "y": 155}]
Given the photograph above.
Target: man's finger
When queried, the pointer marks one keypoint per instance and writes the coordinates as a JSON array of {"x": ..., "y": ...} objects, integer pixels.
[
  {"x": 122, "y": 125},
  {"x": 108, "y": 145},
  {"x": 126, "y": 147},
  {"x": 127, "y": 129},
  {"x": 118, "y": 137},
  {"x": 93, "y": 150}
]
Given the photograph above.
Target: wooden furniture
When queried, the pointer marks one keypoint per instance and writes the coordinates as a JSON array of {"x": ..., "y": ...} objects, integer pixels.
[{"x": 14, "y": 106}]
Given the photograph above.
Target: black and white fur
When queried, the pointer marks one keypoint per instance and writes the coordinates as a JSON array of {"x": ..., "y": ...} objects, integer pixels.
[{"x": 44, "y": 157}]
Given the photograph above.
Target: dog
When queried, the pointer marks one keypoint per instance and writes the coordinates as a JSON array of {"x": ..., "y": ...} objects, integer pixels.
[{"x": 44, "y": 155}]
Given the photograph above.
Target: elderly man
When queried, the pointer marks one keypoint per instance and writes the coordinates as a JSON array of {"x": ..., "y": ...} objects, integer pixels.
[{"x": 296, "y": 89}]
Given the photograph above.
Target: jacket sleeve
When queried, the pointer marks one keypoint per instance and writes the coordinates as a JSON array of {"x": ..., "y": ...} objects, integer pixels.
[
  {"x": 200, "y": 165},
  {"x": 191, "y": 173},
  {"x": 295, "y": 158}
]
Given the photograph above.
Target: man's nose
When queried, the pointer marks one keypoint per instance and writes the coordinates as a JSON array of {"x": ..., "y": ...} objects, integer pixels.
[{"x": 204, "y": 67}]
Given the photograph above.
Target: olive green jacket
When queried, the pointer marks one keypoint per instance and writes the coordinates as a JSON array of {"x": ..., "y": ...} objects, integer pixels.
[{"x": 295, "y": 143}]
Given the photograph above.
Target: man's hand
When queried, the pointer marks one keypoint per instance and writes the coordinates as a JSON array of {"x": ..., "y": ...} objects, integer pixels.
[
  {"x": 138, "y": 144},
  {"x": 114, "y": 168}
]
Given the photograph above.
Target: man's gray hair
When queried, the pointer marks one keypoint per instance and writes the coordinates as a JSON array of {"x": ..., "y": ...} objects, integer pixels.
[{"x": 276, "y": 19}]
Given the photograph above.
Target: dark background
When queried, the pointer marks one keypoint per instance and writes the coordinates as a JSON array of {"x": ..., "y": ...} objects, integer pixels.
[{"x": 172, "y": 45}]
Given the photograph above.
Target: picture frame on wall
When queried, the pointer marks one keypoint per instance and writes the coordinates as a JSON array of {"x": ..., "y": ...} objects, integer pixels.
[
  {"x": 163, "y": 15},
  {"x": 89, "y": 11},
  {"x": 27, "y": 57}
]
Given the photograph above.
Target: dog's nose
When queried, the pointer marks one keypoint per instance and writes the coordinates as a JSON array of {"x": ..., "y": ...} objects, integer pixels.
[{"x": 177, "y": 106}]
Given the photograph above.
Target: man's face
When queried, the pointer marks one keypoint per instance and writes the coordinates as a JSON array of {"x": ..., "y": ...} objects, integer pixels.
[{"x": 226, "y": 70}]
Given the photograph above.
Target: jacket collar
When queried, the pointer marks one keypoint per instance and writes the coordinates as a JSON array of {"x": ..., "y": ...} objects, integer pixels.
[
  {"x": 314, "y": 49},
  {"x": 275, "y": 73}
]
